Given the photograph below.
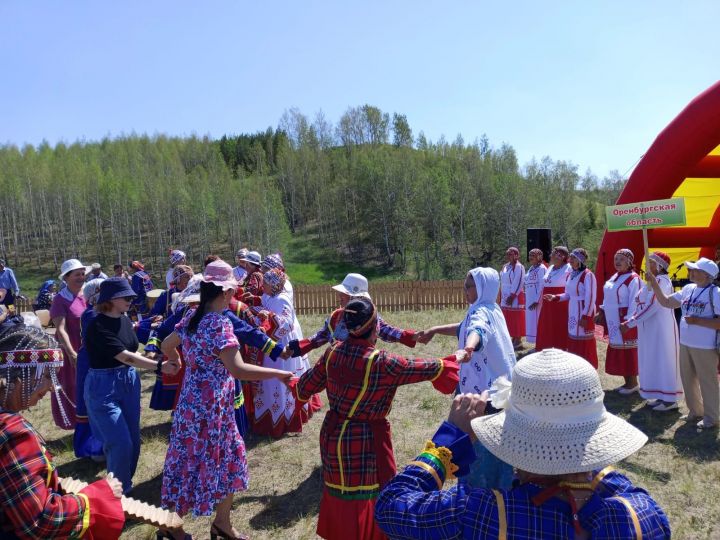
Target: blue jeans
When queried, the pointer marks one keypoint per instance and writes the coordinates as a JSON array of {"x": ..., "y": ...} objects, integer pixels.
[{"x": 112, "y": 397}]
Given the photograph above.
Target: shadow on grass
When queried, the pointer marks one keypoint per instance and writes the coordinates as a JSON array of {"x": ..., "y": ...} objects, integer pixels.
[
  {"x": 699, "y": 445},
  {"x": 284, "y": 510}
]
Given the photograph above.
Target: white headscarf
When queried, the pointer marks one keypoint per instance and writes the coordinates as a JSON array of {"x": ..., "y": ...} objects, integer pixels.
[{"x": 498, "y": 345}]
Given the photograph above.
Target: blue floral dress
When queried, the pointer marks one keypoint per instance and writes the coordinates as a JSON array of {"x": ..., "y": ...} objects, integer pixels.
[{"x": 205, "y": 461}]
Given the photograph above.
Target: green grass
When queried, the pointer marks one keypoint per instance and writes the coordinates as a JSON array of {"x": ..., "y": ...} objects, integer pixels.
[{"x": 679, "y": 467}]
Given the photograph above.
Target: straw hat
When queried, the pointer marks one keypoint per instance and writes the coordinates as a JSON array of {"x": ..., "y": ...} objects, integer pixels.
[{"x": 555, "y": 421}]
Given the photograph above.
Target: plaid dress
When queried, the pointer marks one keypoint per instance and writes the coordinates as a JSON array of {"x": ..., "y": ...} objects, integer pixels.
[
  {"x": 30, "y": 503},
  {"x": 355, "y": 444}
]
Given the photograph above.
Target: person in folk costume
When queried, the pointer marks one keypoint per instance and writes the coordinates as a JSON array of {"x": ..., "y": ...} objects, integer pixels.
[
  {"x": 251, "y": 285},
  {"x": 334, "y": 329},
  {"x": 534, "y": 282},
  {"x": 206, "y": 461},
  {"x": 580, "y": 293},
  {"x": 512, "y": 296},
  {"x": 552, "y": 324},
  {"x": 484, "y": 334},
  {"x": 355, "y": 440},
  {"x": 275, "y": 261},
  {"x": 45, "y": 295},
  {"x": 658, "y": 345},
  {"x": 141, "y": 283},
  {"x": 31, "y": 504},
  {"x": 176, "y": 257},
  {"x": 556, "y": 433},
  {"x": 180, "y": 278},
  {"x": 239, "y": 271},
  {"x": 274, "y": 410},
  {"x": 65, "y": 312},
  {"x": 85, "y": 442},
  {"x": 618, "y": 294},
  {"x": 700, "y": 303}
]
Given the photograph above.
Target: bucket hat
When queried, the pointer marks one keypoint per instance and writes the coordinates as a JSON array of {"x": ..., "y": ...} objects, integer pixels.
[
  {"x": 70, "y": 265},
  {"x": 555, "y": 421},
  {"x": 353, "y": 285},
  {"x": 114, "y": 287}
]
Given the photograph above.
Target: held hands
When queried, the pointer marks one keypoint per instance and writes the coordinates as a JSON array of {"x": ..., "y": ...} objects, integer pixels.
[
  {"x": 624, "y": 327},
  {"x": 461, "y": 356},
  {"x": 287, "y": 353},
  {"x": 692, "y": 320},
  {"x": 582, "y": 323},
  {"x": 424, "y": 336},
  {"x": 549, "y": 297},
  {"x": 533, "y": 306},
  {"x": 466, "y": 407},
  {"x": 115, "y": 485},
  {"x": 285, "y": 377},
  {"x": 510, "y": 299},
  {"x": 170, "y": 367}
]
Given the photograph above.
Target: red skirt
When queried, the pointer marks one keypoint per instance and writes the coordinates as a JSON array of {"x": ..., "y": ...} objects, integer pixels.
[
  {"x": 342, "y": 519},
  {"x": 553, "y": 323},
  {"x": 515, "y": 320},
  {"x": 264, "y": 425},
  {"x": 585, "y": 348},
  {"x": 623, "y": 362}
]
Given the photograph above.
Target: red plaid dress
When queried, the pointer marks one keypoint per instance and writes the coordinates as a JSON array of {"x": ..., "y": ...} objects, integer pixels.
[
  {"x": 355, "y": 443},
  {"x": 30, "y": 504}
]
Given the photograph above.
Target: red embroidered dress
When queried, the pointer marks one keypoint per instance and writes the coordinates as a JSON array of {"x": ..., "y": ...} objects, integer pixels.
[
  {"x": 355, "y": 443},
  {"x": 31, "y": 506}
]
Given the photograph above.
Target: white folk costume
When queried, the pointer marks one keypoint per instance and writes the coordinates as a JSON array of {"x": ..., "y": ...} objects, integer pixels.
[
  {"x": 618, "y": 292},
  {"x": 553, "y": 319},
  {"x": 494, "y": 355},
  {"x": 580, "y": 294},
  {"x": 274, "y": 412},
  {"x": 512, "y": 278},
  {"x": 534, "y": 283},
  {"x": 658, "y": 347}
]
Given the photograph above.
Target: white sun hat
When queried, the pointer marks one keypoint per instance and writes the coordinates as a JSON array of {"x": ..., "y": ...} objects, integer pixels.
[
  {"x": 70, "y": 265},
  {"x": 354, "y": 285},
  {"x": 555, "y": 421}
]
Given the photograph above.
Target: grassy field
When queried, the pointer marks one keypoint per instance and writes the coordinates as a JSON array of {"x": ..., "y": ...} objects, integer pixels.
[{"x": 678, "y": 466}]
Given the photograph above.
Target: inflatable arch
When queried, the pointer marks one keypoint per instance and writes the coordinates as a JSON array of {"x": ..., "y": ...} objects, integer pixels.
[{"x": 683, "y": 161}]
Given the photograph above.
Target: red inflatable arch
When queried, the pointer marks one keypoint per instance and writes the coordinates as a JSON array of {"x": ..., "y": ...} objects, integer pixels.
[{"x": 683, "y": 161}]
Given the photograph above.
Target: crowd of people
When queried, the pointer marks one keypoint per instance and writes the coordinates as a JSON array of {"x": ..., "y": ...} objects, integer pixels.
[{"x": 230, "y": 359}]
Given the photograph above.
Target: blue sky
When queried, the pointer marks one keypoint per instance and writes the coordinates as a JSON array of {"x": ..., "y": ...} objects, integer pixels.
[{"x": 588, "y": 82}]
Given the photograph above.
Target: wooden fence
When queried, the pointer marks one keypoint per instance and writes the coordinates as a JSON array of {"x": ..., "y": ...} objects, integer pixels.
[{"x": 389, "y": 296}]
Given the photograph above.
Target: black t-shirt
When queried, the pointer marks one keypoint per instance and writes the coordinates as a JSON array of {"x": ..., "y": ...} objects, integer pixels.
[{"x": 108, "y": 336}]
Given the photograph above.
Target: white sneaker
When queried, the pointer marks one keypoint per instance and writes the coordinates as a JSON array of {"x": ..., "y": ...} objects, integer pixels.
[
  {"x": 663, "y": 407},
  {"x": 653, "y": 402},
  {"x": 627, "y": 391},
  {"x": 704, "y": 425}
]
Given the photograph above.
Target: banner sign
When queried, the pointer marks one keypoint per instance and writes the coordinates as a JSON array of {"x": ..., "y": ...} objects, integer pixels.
[{"x": 646, "y": 215}]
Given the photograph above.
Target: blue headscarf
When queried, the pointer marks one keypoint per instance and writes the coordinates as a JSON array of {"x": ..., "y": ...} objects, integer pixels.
[{"x": 45, "y": 288}]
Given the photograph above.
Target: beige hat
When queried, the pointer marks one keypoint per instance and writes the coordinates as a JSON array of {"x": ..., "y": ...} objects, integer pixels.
[{"x": 555, "y": 421}]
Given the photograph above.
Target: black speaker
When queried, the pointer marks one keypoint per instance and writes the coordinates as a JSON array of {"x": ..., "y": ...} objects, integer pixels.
[{"x": 540, "y": 239}]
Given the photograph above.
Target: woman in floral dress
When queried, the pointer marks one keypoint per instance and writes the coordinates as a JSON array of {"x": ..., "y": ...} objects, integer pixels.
[{"x": 205, "y": 462}]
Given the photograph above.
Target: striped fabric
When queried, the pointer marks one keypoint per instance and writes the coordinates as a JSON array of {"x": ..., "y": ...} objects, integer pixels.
[{"x": 411, "y": 506}]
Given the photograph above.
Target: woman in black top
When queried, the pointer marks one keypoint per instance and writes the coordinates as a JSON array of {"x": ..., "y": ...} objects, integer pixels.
[{"x": 112, "y": 386}]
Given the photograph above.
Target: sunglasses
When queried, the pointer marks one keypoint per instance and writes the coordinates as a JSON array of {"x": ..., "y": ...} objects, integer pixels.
[{"x": 127, "y": 298}]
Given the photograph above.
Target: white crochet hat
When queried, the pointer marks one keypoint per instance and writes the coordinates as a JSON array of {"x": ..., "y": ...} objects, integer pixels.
[{"x": 555, "y": 421}]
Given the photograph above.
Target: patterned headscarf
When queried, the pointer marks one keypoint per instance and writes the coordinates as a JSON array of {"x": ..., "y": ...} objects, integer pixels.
[
  {"x": 137, "y": 265},
  {"x": 91, "y": 290},
  {"x": 563, "y": 251},
  {"x": 276, "y": 279},
  {"x": 179, "y": 271},
  {"x": 579, "y": 255},
  {"x": 176, "y": 256},
  {"x": 273, "y": 261},
  {"x": 536, "y": 251},
  {"x": 356, "y": 307},
  {"x": 661, "y": 258},
  {"x": 627, "y": 254}
]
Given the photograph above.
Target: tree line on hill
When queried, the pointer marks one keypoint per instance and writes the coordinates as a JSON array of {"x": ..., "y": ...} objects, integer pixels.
[{"x": 367, "y": 188}]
